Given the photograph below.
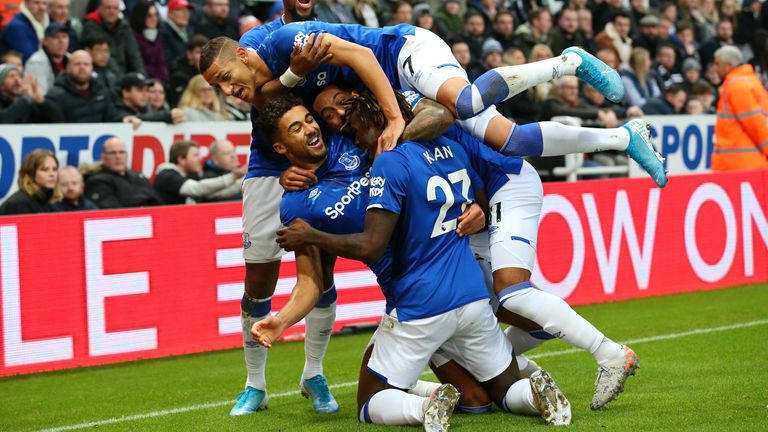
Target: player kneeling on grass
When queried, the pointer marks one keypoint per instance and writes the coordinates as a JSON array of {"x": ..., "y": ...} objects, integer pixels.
[{"x": 435, "y": 291}]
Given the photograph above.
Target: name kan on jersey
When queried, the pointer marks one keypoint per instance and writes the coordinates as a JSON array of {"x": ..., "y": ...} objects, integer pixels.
[
  {"x": 353, "y": 191},
  {"x": 437, "y": 153}
]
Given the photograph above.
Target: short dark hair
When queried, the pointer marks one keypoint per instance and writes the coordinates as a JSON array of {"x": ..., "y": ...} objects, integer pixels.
[
  {"x": 470, "y": 13},
  {"x": 674, "y": 89},
  {"x": 504, "y": 12},
  {"x": 179, "y": 149},
  {"x": 535, "y": 15},
  {"x": 214, "y": 49},
  {"x": 665, "y": 44},
  {"x": 93, "y": 39},
  {"x": 621, "y": 13},
  {"x": 196, "y": 41},
  {"x": 272, "y": 111},
  {"x": 702, "y": 88},
  {"x": 683, "y": 25}
]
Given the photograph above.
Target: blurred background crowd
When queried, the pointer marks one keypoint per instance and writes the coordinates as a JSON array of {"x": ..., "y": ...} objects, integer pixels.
[{"x": 88, "y": 61}]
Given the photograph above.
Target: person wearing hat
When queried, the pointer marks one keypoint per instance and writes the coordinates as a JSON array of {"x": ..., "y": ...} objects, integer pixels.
[
  {"x": 691, "y": 73},
  {"x": 648, "y": 34},
  {"x": 51, "y": 59},
  {"x": 21, "y": 100},
  {"x": 176, "y": 30},
  {"x": 123, "y": 49},
  {"x": 491, "y": 56},
  {"x": 134, "y": 101}
]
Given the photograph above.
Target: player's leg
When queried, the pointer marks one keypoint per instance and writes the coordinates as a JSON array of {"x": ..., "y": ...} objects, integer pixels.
[
  {"x": 480, "y": 347},
  {"x": 515, "y": 213},
  {"x": 474, "y": 399},
  {"x": 440, "y": 78},
  {"x": 393, "y": 364}
]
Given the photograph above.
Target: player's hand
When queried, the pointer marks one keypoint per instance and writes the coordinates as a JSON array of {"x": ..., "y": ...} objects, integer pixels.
[
  {"x": 311, "y": 55},
  {"x": 295, "y": 236},
  {"x": 471, "y": 221},
  {"x": 390, "y": 135},
  {"x": 268, "y": 330},
  {"x": 296, "y": 179}
]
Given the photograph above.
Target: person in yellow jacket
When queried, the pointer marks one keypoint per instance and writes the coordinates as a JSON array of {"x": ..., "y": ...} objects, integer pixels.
[{"x": 741, "y": 129}]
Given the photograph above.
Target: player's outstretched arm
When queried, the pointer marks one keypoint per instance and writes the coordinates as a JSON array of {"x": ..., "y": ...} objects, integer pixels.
[
  {"x": 304, "y": 297},
  {"x": 366, "y": 246},
  {"x": 304, "y": 59},
  {"x": 365, "y": 65},
  {"x": 430, "y": 120}
]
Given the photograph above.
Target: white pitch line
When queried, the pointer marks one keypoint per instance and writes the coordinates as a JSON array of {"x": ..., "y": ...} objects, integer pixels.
[{"x": 208, "y": 405}]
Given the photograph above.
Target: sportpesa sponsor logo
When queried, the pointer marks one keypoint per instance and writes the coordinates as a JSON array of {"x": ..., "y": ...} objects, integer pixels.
[{"x": 353, "y": 191}]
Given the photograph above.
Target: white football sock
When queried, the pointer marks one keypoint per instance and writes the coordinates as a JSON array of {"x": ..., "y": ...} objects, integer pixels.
[
  {"x": 255, "y": 354},
  {"x": 519, "y": 398},
  {"x": 520, "y": 78},
  {"x": 319, "y": 326},
  {"x": 559, "y": 139},
  {"x": 521, "y": 340},
  {"x": 555, "y": 316},
  {"x": 394, "y": 407},
  {"x": 424, "y": 388},
  {"x": 609, "y": 352}
]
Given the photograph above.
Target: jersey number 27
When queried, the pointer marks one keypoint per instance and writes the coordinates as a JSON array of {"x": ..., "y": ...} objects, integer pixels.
[{"x": 443, "y": 226}]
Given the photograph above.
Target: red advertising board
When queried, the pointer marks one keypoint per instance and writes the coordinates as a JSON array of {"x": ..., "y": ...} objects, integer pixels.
[{"x": 89, "y": 288}]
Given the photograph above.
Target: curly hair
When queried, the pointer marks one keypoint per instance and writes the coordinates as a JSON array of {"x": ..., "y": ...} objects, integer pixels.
[
  {"x": 273, "y": 111},
  {"x": 368, "y": 109}
]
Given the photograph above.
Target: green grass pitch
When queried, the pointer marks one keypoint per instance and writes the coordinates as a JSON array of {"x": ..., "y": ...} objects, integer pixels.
[{"x": 703, "y": 363}]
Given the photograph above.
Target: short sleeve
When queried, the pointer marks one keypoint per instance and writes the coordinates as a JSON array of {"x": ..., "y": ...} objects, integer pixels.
[
  {"x": 389, "y": 180},
  {"x": 291, "y": 209}
]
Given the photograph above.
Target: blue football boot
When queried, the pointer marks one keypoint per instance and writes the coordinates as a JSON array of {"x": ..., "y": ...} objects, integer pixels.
[
  {"x": 599, "y": 75},
  {"x": 641, "y": 151},
  {"x": 316, "y": 388},
  {"x": 249, "y": 401}
]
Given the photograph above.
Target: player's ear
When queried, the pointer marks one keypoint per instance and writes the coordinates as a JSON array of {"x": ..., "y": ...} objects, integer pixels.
[
  {"x": 279, "y": 148},
  {"x": 242, "y": 54}
]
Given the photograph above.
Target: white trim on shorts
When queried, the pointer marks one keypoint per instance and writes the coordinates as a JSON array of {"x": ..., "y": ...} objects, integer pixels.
[
  {"x": 261, "y": 219},
  {"x": 425, "y": 62}
]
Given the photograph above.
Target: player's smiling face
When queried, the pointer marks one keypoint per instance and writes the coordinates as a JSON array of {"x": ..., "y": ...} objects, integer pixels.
[
  {"x": 299, "y": 138},
  {"x": 234, "y": 77},
  {"x": 332, "y": 104},
  {"x": 299, "y": 10}
]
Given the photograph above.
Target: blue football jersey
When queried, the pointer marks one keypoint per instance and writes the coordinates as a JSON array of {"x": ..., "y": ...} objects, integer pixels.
[
  {"x": 384, "y": 42},
  {"x": 427, "y": 185},
  {"x": 263, "y": 160},
  {"x": 337, "y": 203}
]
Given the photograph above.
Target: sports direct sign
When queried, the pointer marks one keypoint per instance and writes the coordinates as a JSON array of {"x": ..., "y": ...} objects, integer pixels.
[
  {"x": 81, "y": 289},
  {"x": 685, "y": 141}
]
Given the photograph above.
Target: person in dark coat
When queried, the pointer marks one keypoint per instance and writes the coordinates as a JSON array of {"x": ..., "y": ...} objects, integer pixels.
[
  {"x": 185, "y": 68},
  {"x": 217, "y": 21},
  {"x": 78, "y": 97},
  {"x": 71, "y": 185},
  {"x": 145, "y": 22},
  {"x": 123, "y": 48},
  {"x": 107, "y": 74},
  {"x": 38, "y": 185},
  {"x": 176, "y": 30},
  {"x": 671, "y": 102},
  {"x": 134, "y": 101},
  {"x": 116, "y": 186},
  {"x": 21, "y": 100}
]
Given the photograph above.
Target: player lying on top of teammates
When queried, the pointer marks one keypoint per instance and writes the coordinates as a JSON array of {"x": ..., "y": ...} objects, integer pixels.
[
  {"x": 516, "y": 198},
  {"x": 411, "y": 58},
  {"x": 434, "y": 290}
]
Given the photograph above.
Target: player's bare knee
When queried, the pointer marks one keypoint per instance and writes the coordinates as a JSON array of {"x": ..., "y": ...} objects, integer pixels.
[
  {"x": 506, "y": 277},
  {"x": 261, "y": 279}
]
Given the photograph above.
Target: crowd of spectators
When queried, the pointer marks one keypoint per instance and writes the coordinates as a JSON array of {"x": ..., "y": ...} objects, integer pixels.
[{"x": 136, "y": 60}]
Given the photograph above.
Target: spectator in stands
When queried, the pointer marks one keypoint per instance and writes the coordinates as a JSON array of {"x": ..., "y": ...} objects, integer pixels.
[
  {"x": 51, "y": 59},
  {"x": 185, "y": 68},
  {"x": 72, "y": 187},
  {"x": 668, "y": 11},
  {"x": 541, "y": 91},
  {"x": 21, "y": 100},
  {"x": 113, "y": 185},
  {"x": 723, "y": 36},
  {"x": 596, "y": 99},
  {"x": 78, "y": 96},
  {"x": 474, "y": 32},
  {"x": 334, "y": 12},
  {"x": 535, "y": 31},
  {"x": 637, "y": 11},
  {"x": 145, "y": 21},
  {"x": 585, "y": 23},
  {"x": 134, "y": 101},
  {"x": 567, "y": 32},
  {"x": 492, "y": 51},
  {"x": 176, "y": 30},
  {"x": 223, "y": 160},
  {"x": 523, "y": 9},
  {"x": 513, "y": 56},
  {"x": 671, "y": 102},
  {"x": 504, "y": 29},
  {"x": 748, "y": 20},
  {"x": 107, "y": 75},
  {"x": 665, "y": 66},
  {"x": 367, "y": 12},
  {"x": 463, "y": 55},
  {"x": 686, "y": 14},
  {"x": 615, "y": 36},
  {"x": 217, "y": 22},
  {"x": 741, "y": 128},
  {"x": 26, "y": 30},
  {"x": 58, "y": 12},
  {"x": 639, "y": 82},
  {"x": 609, "y": 57},
  {"x": 106, "y": 21},
  {"x": 686, "y": 45},
  {"x": 38, "y": 188},
  {"x": 728, "y": 11},
  {"x": 157, "y": 100},
  {"x": 604, "y": 12},
  {"x": 566, "y": 102},
  {"x": 402, "y": 13},
  {"x": 201, "y": 103},
  {"x": 648, "y": 36},
  {"x": 691, "y": 74},
  {"x": 13, "y": 58},
  {"x": 424, "y": 18},
  {"x": 450, "y": 17},
  {"x": 703, "y": 91},
  {"x": 693, "y": 106},
  {"x": 178, "y": 181},
  {"x": 706, "y": 16}
]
